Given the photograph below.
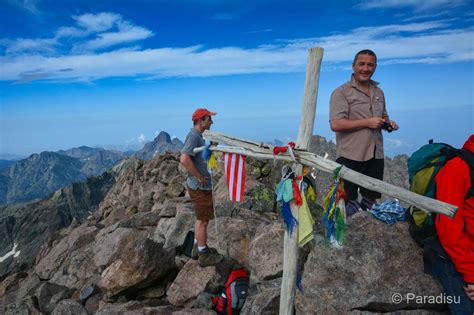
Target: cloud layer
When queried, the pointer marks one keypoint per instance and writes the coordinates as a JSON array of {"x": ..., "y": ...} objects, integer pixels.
[
  {"x": 104, "y": 45},
  {"x": 417, "y": 5}
]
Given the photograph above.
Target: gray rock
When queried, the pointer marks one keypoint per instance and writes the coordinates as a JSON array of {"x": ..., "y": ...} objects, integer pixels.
[
  {"x": 231, "y": 237},
  {"x": 140, "y": 263},
  {"x": 68, "y": 307},
  {"x": 174, "y": 229},
  {"x": 194, "y": 311},
  {"x": 49, "y": 294},
  {"x": 378, "y": 261},
  {"x": 20, "y": 289},
  {"x": 134, "y": 307},
  {"x": 24, "y": 306},
  {"x": 265, "y": 258},
  {"x": 70, "y": 262},
  {"x": 51, "y": 262},
  {"x": 86, "y": 292},
  {"x": 265, "y": 302},
  {"x": 142, "y": 187},
  {"x": 93, "y": 303},
  {"x": 152, "y": 293},
  {"x": 141, "y": 219},
  {"x": 108, "y": 246},
  {"x": 189, "y": 283},
  {"x": 204, "y": 301}
]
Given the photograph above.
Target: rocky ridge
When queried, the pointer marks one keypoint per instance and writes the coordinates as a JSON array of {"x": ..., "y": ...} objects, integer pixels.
[
  {"x": 41, "y": 174},
  {"x": 124, "y": 258},
  {"x": 29, "y": 225}
]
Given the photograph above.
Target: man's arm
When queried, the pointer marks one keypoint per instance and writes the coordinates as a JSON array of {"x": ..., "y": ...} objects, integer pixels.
[
  {"x": 339, "y": 113},
  {"x": 348, "y": 125},
  {"x": 451, "y": 187},
  {"x": 187, "y": 162}
]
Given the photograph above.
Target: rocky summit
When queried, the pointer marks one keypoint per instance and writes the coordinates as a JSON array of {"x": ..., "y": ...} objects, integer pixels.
[{"x": 125, "y": 257}]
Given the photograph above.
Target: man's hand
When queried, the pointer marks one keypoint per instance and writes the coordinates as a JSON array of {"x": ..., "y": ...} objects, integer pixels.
[
  {"x": 469, "y": 289},
  {"x": 202, "y": 180},
  {"x": 187, "y": 162},
  {"x": 394, "y": 125},
  {"x": 375, "y": 122}
]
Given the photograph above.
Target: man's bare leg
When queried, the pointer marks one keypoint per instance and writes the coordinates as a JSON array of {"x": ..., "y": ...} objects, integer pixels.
[{"x": 200, "y": 232}]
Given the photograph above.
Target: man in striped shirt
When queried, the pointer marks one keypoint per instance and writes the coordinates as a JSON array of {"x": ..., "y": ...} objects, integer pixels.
[{"x": 199, "y": 187}]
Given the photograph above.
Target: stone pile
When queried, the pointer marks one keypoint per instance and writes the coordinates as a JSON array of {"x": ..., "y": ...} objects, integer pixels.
[{"x": 125, "y": 257}]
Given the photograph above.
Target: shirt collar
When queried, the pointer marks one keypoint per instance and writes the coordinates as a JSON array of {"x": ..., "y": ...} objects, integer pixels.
[{"x": 194, "y": 130}]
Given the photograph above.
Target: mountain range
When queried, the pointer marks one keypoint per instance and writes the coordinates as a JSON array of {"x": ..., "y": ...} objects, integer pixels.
[
  {"x": 41, "y": 174},
  {"x": 121, "y": 251}
]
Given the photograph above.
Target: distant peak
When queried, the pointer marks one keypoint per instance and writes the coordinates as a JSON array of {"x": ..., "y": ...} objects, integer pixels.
[{"x": 163, "y": 136}]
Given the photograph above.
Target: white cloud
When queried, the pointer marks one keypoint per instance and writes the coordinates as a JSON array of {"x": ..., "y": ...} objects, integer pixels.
[
  {"x": 141, "y": 138},
  {"x": 41, "y": 45},
  {"x": 28, "y": 5},
  {"x": 393, "y": 143},
  {"x": 131, "y": 140},
  {"x": 426, "y": 42},
  {"x": 260, "y": 31},
  {"x": 126, "y": 33},
  {"x": 97, "y": 22},
  {"x": 136, "y": 140},
  {"x": 71, "y": 32},
  {"x": 91, "y": 32},
  {"x": 418, "y": 5}
]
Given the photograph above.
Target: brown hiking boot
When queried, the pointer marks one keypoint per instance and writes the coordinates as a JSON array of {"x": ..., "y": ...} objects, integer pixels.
[
  {"x": 194, "y": 252},
  {"x": 209, "y": 257}
]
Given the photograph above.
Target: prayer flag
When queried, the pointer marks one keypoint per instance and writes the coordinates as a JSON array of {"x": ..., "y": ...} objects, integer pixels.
[{"x": 234, "y": 165}]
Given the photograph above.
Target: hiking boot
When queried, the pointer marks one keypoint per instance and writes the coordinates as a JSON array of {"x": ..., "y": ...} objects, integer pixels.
[
  {"x": 209, "y": 257},
  {"x": 194, "y": 252}
]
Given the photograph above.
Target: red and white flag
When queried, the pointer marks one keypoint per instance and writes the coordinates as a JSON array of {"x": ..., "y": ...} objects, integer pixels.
[{"x": 234, "y": 165}]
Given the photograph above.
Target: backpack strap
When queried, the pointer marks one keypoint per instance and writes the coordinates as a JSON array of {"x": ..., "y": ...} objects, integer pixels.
[
  {"x": 468, "y": 157},
  {"x": 228, "y": 291}
]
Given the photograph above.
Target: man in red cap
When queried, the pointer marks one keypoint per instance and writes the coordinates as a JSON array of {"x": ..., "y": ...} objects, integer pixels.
[
  {"x": 199, "y": 187},
  {"x": 455, "y": 267}
]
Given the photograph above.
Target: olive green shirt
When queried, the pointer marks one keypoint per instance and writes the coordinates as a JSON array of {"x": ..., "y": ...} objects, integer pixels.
[{"x": 348, "y": 101}]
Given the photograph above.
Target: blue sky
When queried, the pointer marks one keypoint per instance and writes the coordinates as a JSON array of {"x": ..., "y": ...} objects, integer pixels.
[{"x": 117, "y": 72}]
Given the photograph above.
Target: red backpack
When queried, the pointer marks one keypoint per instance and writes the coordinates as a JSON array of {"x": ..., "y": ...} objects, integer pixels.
[{"x": 232, "y": 298}]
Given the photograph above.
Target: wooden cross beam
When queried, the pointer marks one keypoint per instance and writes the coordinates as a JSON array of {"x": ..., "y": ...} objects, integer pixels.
[{"x": 264, "y": 151}]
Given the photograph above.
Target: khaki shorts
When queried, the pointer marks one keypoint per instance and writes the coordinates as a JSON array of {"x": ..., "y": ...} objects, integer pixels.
[{"x": 203, "y": 205}]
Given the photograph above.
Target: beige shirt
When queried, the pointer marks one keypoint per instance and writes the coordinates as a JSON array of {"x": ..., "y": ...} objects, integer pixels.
[{"x": 349, "y": 102}]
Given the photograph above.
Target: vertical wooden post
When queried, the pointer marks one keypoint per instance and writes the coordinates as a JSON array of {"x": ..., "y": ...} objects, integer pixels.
[{"x": 288, "y": 284}]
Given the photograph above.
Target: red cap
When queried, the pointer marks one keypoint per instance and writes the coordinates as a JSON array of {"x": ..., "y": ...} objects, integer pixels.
[{"x": 201, "y": 112}]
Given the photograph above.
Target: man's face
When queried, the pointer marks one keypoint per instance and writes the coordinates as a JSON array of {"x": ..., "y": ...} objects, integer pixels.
[
  {"x": 207, "y": 122},
  {"x": 364, "y": 68}
]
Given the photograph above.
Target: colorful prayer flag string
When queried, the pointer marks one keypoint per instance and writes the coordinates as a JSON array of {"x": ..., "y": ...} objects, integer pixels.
[
  {"x": 334, "y": 217},
  {"x": 288, "y": 217}
]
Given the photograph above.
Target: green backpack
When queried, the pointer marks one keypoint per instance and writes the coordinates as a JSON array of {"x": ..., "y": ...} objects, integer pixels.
[{"x": 423, "y": 166}]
